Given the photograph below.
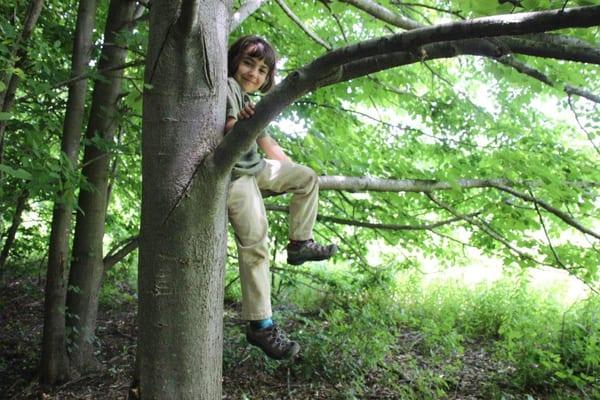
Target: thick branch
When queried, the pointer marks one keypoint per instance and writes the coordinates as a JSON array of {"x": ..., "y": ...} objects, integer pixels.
[
  {"x": 512, "y": 24},
  {"x": 547, "y": 46},
  {"x": 122, "y": 251},
  {"x": 370, "y": 184},
  {"x": 326, "y": 69},
  {"x": 247, "y": 9},
  {"x": 560, "y": 43}
]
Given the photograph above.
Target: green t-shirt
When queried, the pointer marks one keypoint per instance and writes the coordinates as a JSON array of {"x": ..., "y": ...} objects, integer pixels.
[{"x": 251, "y": 162}]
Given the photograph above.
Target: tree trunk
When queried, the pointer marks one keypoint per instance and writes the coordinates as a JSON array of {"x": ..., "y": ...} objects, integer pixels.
[
  {"x": 12, "y": 230},
  {"x": 8, "y": 96},
  {"x": 183, "y": 228},
  {"x": 54, "y": 363},
  {"x": 87, "y": 267}
]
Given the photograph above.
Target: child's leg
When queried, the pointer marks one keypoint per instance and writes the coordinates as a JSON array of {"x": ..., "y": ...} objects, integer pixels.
[
  {"x": 303, "y": 183},
  {"x": 248, "y": 218}
]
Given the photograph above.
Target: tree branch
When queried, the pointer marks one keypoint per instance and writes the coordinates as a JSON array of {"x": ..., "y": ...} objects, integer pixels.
[
  {"x": 484, "y": 227},
  {"x": 579, "y": 92},
  {"x": 389, "y": 227},
  {"x": 121, "y": 251},
  {"x": 386, "y": 15},
  {"x": 560, "y": 214},
  {"x": 371, "y": 184},
  {"x": 382, "y": 13},
  {"x": 541, "y": 218},
  {"x": 288, "y": 11},
  {"x": 327, "y": 69},
  {"x": 587, "y": 133},
  {"x": 247, "y": 9}
]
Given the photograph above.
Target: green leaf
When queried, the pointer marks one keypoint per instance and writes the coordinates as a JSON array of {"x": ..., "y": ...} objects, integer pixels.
[
  {"x": 17, "y": 173},
  {"x": 4, "y": 116}
]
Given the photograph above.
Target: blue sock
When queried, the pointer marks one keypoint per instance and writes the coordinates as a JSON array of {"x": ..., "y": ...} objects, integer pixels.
[{"x": 262, "y": 324}]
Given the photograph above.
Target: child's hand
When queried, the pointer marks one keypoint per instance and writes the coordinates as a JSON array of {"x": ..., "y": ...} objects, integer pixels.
[{"x": 246, "y": 112}]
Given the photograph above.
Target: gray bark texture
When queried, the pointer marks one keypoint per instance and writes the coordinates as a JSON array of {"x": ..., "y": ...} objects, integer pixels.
[
  {"x": 87, "y": 267},
  {"x": 183, "y": 227},
  {"x": 54, "y": 362}
]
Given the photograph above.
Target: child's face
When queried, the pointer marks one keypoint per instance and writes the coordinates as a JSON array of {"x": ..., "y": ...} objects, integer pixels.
[{"x": 251, "y": 73}]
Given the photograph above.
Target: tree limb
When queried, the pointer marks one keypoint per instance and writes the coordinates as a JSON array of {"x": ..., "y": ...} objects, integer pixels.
[
  {"x": 288, "y": 11},
  {"x": 327, "y": 69},
  {"x": 382, "y": 13},
  {"x": 484, "y": 227},
  {"x": 560, "y": 214},
  {"x": 541, "y": 218},
  {"x": 247, "y": 9},
  {"x": 386, "y": 15},
  {"x": 371, "y": 184},
  {"x": 121, "y": 251},
  {"x": 389, "y": 227}
]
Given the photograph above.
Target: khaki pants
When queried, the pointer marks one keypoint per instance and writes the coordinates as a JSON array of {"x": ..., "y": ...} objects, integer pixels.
[{"x": 249, "y": 220}]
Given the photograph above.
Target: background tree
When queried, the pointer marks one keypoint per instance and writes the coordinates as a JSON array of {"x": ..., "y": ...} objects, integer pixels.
[{"x": 54, "y": 366}]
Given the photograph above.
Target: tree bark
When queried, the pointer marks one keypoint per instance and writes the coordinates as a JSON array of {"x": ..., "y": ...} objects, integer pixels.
[
  {"x": 54, "y": 362},
  {"x": 12, "y": 230},
  {"x": 11, "y": 81},
  {"x": 183, "y": 237},
  {"x": 87, "y": 267}
]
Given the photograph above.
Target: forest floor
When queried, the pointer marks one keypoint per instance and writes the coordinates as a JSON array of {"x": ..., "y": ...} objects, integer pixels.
[{"x": 21, "y": 318}]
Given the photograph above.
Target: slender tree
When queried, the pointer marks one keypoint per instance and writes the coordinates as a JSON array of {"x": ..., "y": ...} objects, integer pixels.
[
  {"x": 19, "y": 54},
  {"x": 54, "y": 365},
  {"x": 87, "y": 267}
]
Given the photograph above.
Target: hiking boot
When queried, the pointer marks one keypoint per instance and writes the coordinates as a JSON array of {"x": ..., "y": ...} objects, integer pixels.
[
  {"x": 308, "y": 250},
  {"x": 273, "y": 342}
]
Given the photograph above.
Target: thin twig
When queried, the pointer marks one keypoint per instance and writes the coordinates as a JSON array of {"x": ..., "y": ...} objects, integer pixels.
[
  {"x": 541, "y": 218},
  {"x": 286, "y": 9},
  {"x": 587, "y": 133}
]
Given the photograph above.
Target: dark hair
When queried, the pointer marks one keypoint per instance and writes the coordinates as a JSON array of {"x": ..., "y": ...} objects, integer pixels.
[{"x": 253, "y": 46}]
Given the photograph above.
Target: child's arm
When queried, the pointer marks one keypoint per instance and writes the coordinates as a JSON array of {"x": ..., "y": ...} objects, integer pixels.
[
  {"x": 272, "y": 149},
  {"x": 245, "y": 113}
]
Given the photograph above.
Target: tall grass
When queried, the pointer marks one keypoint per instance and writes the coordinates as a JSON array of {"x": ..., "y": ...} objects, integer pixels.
[{"x": 413, "y": 336}]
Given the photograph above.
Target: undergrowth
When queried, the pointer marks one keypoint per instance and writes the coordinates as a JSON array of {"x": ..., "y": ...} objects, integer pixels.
[{"x": 417, "y": 339}]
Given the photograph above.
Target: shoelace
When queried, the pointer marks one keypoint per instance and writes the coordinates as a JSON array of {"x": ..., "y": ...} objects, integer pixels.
[
  {"x": 279, "y": 337},
  {"x": 318, "y": 248}
]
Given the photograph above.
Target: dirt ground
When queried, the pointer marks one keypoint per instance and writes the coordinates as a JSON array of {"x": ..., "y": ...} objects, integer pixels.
[{"x": 21, "y": 308}]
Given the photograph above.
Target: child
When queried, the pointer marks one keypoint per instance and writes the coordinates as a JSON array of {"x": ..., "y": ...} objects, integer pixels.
[{"x": 251, "y": 63}]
